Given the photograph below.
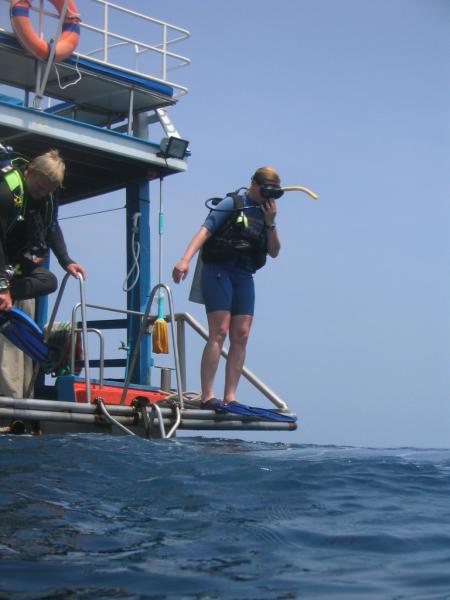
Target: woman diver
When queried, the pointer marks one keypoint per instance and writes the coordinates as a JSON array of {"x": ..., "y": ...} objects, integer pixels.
[{"x": 234, "y": 240}]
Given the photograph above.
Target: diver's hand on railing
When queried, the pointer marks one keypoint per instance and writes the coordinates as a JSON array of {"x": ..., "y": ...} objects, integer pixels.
[{"x": 75, "y": 269}]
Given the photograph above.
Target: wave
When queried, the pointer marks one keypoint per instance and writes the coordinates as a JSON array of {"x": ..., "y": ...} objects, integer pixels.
[{"x": 97, "y": 516}]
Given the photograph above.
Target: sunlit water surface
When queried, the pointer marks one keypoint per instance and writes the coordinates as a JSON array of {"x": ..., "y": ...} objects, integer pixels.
[{"x": 92, "y": 516}]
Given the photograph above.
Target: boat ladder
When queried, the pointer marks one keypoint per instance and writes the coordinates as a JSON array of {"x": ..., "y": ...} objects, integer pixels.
[{"x": 141, "y": 405}]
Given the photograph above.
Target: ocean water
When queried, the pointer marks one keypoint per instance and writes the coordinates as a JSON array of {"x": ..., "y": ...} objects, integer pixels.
[{"x": 92, "y": 516}]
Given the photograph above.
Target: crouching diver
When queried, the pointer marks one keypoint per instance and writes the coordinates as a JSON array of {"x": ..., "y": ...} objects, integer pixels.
[
  {"x": 29, "y": 229},
  {"x": 234, "y": 240}
]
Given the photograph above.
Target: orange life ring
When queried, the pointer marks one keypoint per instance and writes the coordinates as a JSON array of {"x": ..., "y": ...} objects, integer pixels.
[{"x": 66, "y": 43}]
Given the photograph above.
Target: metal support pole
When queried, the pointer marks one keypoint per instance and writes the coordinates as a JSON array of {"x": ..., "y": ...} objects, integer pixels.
[
  {"x": 135, "y": 354},
  {"x": 181, "y": 344},
  {"x": 138, "y": 202},
  {"x": 51, "y": 56}
]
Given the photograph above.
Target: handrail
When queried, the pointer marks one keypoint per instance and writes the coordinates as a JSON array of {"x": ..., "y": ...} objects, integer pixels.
[
  {"x": 101, "y": 368},
  {"x": 83, "y": 333},
  {"x": 167, "y": 35},
  {"x": 179, "y": 344},
  {"x": 251, "y": 377},
  {"x": 142, "y": 329},
  {"x": 84, "y": 330},
  {"x": 111, "y": 419}
]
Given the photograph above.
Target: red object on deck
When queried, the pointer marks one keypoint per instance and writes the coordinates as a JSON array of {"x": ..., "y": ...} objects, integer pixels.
[{"x": 111, "y": 394}]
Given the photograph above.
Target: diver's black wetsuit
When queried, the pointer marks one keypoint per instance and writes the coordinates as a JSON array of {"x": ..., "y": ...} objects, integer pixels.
[{"x": 32, "y": 230}]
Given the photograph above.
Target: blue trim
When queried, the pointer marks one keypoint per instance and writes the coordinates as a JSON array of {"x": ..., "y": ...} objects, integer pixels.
[
  {"x": 64, "y": 388},
  {"x": 60, "y": 106},
  {"x": 10, "y": 100},
  {"x": 20, "y": 11},
  {"x": 100, "y": 69},
  {"x": 10, "y": 41},
  {"x": 117, "y": 75},
  {"x": 83, "y": 125},
  {"x": 71, "y": 26}
]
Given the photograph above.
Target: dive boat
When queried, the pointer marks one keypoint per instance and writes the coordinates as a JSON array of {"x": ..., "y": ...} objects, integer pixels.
[{"x": 97, "y": 113}]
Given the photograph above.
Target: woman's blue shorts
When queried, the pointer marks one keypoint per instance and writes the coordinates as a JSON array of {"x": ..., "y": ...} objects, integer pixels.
[{"x": 225, "y": 287}]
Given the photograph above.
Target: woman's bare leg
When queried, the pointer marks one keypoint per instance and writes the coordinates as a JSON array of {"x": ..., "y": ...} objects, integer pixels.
[
  {"x": 239, "y": 330},
  {"x": 219, "y": 324}
]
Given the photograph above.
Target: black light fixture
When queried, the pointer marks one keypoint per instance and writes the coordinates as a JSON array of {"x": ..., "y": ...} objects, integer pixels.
[{"x": 173, "y": 147}]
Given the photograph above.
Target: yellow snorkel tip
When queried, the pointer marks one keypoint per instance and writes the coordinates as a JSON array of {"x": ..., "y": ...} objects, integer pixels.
[{"x": 299, "y": 188}]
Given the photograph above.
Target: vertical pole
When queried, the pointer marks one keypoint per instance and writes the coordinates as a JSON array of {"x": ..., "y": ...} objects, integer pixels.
[
  {"x": 138, "y": 201},
  {"x": 105, "y": 33},
  {"x": 181, "y": 343},
  {"x": 38, "y": 62},
  {"x": 41, "y": 317},
  {"x": 41, "y": 311},
  {"x": 164, "y": 57}
]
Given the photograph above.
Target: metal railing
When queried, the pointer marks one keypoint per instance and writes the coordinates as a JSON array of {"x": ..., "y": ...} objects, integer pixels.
[
  {"x": 111, "y": 40},
  {"x": 165, "y": 34},
  {"x": 181, "y": 319},
  {"x": 84, "y": 332}
]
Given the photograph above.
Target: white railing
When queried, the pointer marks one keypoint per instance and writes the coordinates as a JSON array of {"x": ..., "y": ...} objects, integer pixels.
[{"x": 108, "y": 28}]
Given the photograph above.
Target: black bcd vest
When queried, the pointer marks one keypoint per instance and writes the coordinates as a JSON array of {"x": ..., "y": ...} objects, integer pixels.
[{"x": 228, "y": 243}]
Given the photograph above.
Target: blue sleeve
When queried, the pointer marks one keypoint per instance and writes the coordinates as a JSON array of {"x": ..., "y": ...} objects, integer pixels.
[{"x": 216, "y": 217}]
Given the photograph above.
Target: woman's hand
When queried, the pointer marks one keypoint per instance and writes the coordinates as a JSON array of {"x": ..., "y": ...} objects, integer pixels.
[
  {"x": 269, "y": 209},
  {"x": 180, "y": 270}
]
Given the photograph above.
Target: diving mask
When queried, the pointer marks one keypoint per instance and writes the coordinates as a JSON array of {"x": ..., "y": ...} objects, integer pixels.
[{"x": 270, "y": 191}]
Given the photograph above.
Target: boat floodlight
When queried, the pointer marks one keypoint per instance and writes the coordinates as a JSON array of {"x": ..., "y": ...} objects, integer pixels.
[{"x": 173, "y": 147}]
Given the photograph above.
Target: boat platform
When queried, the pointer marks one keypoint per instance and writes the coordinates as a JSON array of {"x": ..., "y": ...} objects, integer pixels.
[
  {"x": 160, "y": 420},
  {"x": 84, "y": 404}
]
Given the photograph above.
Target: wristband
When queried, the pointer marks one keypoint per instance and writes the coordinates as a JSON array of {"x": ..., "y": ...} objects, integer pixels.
[{"x": 272, "y": 227}]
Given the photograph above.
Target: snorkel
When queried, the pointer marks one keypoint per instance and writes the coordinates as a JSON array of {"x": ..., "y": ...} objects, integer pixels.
[
  {"x": 275, "y": 192},
  {"x": 267, "y": 191},
  {"x": 300, "y": 188}
]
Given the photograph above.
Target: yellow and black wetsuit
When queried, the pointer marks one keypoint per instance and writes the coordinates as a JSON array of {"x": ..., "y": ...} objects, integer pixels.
[{"x": 28, "y": 226}]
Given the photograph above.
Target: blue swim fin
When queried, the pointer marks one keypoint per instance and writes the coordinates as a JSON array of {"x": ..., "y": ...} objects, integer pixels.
[
  {"x": 23, "y": 332},
  {"x": 257, "y": 413}
]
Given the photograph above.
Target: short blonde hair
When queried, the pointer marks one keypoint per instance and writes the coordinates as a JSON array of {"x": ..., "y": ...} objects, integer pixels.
[
  {"x": 266, "y": 174},
  {"x": 49, "y": 164}
]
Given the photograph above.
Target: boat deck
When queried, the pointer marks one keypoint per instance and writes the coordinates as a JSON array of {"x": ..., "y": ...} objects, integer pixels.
[{"x": 52, "y": 416}]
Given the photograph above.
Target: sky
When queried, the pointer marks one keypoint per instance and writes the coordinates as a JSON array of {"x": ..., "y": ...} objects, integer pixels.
[{"x": 350, "y": 98}]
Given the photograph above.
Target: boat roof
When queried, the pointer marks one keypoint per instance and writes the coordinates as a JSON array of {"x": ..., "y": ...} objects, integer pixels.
[
  {"x": 85, "y": 121},
  {"x": 97, "y": 160}
]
